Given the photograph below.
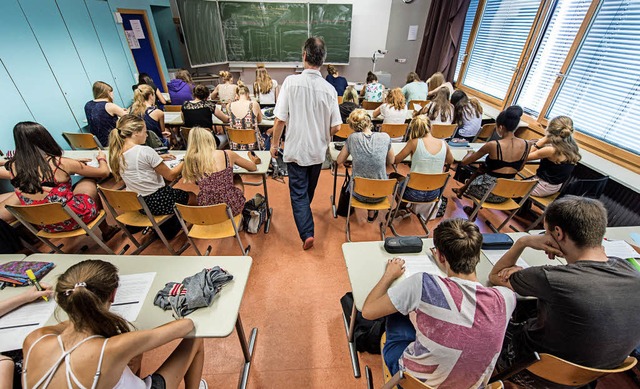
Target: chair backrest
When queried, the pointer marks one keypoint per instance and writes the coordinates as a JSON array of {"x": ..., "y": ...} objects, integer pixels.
[
  {"x": 369, "y": 105},
  {"x": 421, "y": 103},
  {"x": 242, "y": 137},
  {"x": 204, "y": 215},
  {"x": 184, "y": 133},
  {"x": 485, "y": 132},
  {"x": 394, "y": 130},
  {"x": 443, "y": 131},
  {"x": 592, "y": 188},
  {"x": 173, "y": 108},
  {"x": 513, "y": 188},
  {"x": 410, "y": 382},
  {"x": 81, "y": 141},
  {"x": 41, "y": 214},
  {"x": 559, "y": 371},
  {"x": 339, "y": 99},
  {"x": 373, "y": 188},
  {"x": 120, "y": 200},
  {"x": 344, "y": 131},
  {"x": 425, "y": 182}
]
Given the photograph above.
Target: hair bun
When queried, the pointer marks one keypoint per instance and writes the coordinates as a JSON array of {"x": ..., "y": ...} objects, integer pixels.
[
  {"x": 566, "y": 132},
  {"x": 514, "y": 111}
]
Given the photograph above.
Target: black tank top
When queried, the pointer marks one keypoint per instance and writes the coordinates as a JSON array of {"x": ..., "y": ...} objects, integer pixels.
[
  {"x": 499, "y": 163},
  {"x": 554, "y": 173}
]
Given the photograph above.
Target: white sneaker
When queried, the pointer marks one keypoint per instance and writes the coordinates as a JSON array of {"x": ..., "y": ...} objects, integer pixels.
[{"x": 203, "y": 384}]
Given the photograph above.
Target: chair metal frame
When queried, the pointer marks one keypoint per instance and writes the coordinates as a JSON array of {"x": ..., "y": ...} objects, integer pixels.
[
  {"x": 383, "y": 225},
  {"x": 87, "y": 136},
  {"x": 186, "y": 230},
  {"x": 14, "y": 210}
]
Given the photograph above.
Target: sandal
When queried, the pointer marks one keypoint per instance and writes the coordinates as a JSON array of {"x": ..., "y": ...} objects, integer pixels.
[
  {"x": 458, "y": 192},
  {"x": 372, "y": 219}
]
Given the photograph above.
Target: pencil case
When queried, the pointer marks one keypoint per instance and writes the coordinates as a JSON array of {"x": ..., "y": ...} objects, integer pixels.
[
  {"x": 497, "y": 241},
  {"x": 403, "y": 244},
  {"x": 14, "y": 272}
]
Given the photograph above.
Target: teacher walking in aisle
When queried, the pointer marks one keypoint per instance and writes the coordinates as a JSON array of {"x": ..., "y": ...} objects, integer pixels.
[{"x": 309, "y": 106}]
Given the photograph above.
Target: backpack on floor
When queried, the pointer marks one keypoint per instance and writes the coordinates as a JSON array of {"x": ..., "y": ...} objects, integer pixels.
[
  {"x": 366, "y": 333},
  {"x": 254, "y": 214}
]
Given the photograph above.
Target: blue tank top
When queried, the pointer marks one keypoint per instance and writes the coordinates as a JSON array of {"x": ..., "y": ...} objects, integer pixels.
[
  {"x": 100, "y": 122},
  {"x": 152, "y": 125}
]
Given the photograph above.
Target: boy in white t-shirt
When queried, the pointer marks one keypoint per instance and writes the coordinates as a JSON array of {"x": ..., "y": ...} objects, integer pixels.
[{"x": 459, "y": 324}]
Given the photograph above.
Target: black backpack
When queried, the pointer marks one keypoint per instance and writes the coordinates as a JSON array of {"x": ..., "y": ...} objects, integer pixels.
[{"x": 367, "y": 333}]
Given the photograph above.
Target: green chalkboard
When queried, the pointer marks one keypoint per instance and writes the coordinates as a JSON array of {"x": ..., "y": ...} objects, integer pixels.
[
  {"x": 264, "y": 32},
  {"x": 332, "y": 22},
  {"x": 202, "y": 30}
]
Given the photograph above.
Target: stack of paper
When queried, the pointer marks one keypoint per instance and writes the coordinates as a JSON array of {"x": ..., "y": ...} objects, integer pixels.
[
  {"x": 494, "y": 256},
  {"x": 420, "y": 264},
  {"x": 130, "y": 295},
  {"x": 17, "y": 324},
  {"x": 619, "y": 248}
]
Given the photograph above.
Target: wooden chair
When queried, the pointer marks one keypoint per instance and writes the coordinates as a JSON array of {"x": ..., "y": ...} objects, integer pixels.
[
  {"x": 125, "y": 207},
  {"x": 421, "y": 103},
  {"x": 52, "y": 213},
  {"x": 511, "y": 189},
  {"x": 422, "y": 182},
  {"x": 209, "y": 222},
  {"x": 370, "y": 105},
  {"x": 184, "y": 134},
  {"x": 339, "y": 100},
  {"x": 561, "y": 372},
  {"x": 344, "y": 131},
  {"x": 394, "y": 130},
  {"x": 443, "y": 131},
  {"x": 173, "y": 108},
  {"x": 243, "y": 137},
  {"x": 485, "y": 133},
  {"x": 82, "y": 141},
  {"x": 375, "y": 189}
]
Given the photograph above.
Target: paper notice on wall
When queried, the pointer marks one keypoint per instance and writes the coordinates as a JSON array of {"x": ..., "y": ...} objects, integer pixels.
[
  {"x": 136, "y": 26},
  {"x": 413, "y": 33},
  {"x": 132, "y": 40}
]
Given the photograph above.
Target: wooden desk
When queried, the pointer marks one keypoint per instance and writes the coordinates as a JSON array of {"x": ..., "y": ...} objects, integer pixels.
[{"x": 216, "y": 321}]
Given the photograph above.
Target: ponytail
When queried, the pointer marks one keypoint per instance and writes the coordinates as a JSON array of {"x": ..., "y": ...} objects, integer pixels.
[
  {"x": 84, "y": 291},
  {"x": 140, "y": 97},
  {"x": 125, "y": 128}
]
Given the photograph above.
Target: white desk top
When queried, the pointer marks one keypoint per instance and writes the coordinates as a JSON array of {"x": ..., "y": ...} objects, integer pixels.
[
  {"x": 4, "y": 258},
  {"x": 216, "y": 321},
  {"x": 458, "y": 152},
  {"x": 265, "y": 159},
  {"x": 381, "y": 117},
  {"x": 366, "y": 262},
  {"x": 175, "y": 119}
]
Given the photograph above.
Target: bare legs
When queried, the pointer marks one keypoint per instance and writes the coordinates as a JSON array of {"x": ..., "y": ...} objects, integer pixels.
[
  {"x": 184, "y": 362},
  {"x": 237, "y": 182}
]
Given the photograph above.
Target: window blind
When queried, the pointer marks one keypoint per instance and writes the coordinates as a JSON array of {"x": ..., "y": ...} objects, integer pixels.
[
  {"x": 600, "y": 90},
  {"x": 466, "y": 31},
  {"x": 558, "y": 36},
  {"x": 503, "y": 31}
]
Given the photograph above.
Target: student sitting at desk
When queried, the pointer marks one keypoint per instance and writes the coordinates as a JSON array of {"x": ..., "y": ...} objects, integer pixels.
[
  {"x": 370, "y": 152},
  {"x": 94, "y": 347},
  {"x": 212, "y": 171},
  {"x": 415, "y": 89},
  {"x": 349, "y": 103},
  {"x": 11, "y": 363},
  {"x": 265, "y": 88},
  {"x": 505, "y": 158},
  {"x": 334, "y": 78},
  {"x": 225, "y": 92},
  {"x": 372, "y": 91},
  {"x": 460, "y": 322},
  {"x": 467, "y": 114},
  {"x": 145, "y": 79},
  {"x": 586, "y": 310},
  {"x": 439, "y": 110},
  {"x": 245, "y": 114},
  {"x": 198, "y": 112},
  {"x": 558, "y": 154},
  {"x": 393, "y": 109},
  {"x": 40, "y": 175},
  {"x": 142, "y": 169},
  {"x": 180, "y": 88},
  {"x": 437, "y": 81},
  {"x": 102, "y": 114},
  {"x": 144, "y": 106}
]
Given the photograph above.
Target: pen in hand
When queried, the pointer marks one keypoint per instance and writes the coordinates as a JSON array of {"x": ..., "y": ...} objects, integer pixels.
[{"x": 34, "y": 281}]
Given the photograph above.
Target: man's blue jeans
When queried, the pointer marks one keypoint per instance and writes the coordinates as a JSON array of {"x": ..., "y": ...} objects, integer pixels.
[
  {"x": 400, "y": 333},
  {"x": 302, "y": 186}
]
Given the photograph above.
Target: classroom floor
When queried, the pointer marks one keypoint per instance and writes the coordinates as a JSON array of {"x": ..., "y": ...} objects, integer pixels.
[{"x": 292, "y": 297}]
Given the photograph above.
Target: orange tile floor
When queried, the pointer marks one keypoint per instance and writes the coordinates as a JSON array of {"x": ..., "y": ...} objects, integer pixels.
[{"x": 292, "y": 297}]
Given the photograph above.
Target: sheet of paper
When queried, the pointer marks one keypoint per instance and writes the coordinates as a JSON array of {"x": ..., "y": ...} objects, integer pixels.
[
  {"x": 417, "y": 107},
  {"x": 619, "y": 248},
  {"x": 420, "y": 264},
  {"x": 413, "y": 32},
  {"x": 132, "y": 40},
  {"x": 131, "y": 293},
  {"x": 16, "y": 325},
  {"x": 495, "y": 255},
  {"x": 136, "y": 26},
  {"x": 173, "y": 163}
]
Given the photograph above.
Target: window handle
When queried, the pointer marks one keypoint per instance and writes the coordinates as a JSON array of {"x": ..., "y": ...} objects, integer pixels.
[{"x": 560, "y": 75}]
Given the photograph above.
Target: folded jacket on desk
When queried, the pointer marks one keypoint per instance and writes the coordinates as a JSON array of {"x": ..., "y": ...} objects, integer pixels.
[{"x": 193, "y": 292}]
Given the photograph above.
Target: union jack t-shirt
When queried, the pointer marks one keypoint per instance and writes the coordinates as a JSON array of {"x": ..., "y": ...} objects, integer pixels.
[{"x": 460, "y": 327}]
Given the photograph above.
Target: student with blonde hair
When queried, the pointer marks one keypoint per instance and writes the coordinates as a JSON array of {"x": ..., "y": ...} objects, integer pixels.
[
  {"x": 245, "y": 114},
  {"x": 212, "y": 171},
  {"x": 265, "y": 88},
  {"x": 370, "y": 153},
  {"x": 101, "y": 112},
  {"x": 415, "y": 89},
  {"x": 180, "y": 88},
  {"x": 558, "y": 154},
  {"x": 225, "y": 92},
  {"x": 437, "y": 81},
  {"x": 142, "y": 169},
  {"x": 393, "y": 109},
  {"x": 144, "y": 106},
  {"x": 439, "y": 110},
  {"x": 94, "y": 347},
  {"x": 349, "y": 103},
  {"x": 334, "y": 78}
]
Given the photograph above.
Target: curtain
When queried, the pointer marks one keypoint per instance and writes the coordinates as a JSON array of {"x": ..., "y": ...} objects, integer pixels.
[{"x": 442, "y": 37}]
